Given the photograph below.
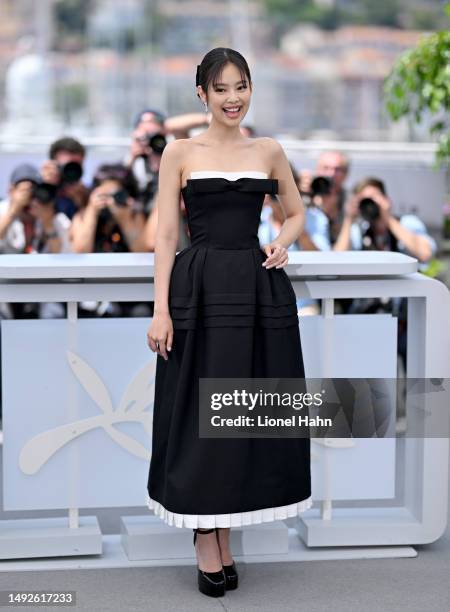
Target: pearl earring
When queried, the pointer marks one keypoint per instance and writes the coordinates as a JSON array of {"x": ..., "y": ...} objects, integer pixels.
[{"x": 206, "y": 106}]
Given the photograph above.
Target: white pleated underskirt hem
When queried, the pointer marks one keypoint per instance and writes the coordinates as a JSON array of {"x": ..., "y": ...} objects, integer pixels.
[{"x": 235, "y": 519}]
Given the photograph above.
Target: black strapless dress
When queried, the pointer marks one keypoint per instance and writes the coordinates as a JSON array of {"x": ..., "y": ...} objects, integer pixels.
[{"x": 232, "y": 317}]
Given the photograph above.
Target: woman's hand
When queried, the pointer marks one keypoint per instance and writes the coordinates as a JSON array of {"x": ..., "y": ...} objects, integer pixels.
[
  {"x": 277, "y": 255},
  {"x": 160, "y": 334}
]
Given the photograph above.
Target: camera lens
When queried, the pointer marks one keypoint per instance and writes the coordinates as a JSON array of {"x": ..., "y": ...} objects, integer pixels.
[
  {"x": 71, "y": 172},
  {"x": 157, "y": 142},
  {"x": 369, "y": 209},
  {"x": 321, "y": 185}
]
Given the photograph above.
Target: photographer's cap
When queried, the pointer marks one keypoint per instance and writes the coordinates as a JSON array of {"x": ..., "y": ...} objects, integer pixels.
[
  {"x": 25, "y": 172},
  {"x": 157, "y": 115}
]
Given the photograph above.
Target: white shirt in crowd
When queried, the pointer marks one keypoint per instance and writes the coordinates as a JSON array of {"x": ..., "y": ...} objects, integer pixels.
[{"x": 14, "y": 239}]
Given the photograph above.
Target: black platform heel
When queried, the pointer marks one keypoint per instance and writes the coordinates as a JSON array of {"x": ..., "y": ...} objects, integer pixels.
[
  {"x": 210, "y": 583},
  {"x": 230, "y": 571}
]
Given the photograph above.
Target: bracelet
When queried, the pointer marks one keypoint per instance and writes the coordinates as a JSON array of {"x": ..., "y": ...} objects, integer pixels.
[{"x": 51, "y": 235}]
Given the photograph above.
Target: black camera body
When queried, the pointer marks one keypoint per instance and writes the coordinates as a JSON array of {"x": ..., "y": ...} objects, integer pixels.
[
  {"x": 120, "y": 197},
  {"x": 320, "y": 185},
  {"x": 45, "y": 193},
  {"x": 70, "y": 173}
]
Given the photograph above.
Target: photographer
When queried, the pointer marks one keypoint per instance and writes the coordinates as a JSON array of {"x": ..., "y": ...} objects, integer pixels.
[
  {"x": 51, "y": 235},
  {"x": 326, "y": 188},
  {"x": 369, "y": 224},
  {"x": 64, "y": 169},
  {"x": 315, "y": 234},
  {"x": 152, "y": 131},
  {"x": 110, "y": 223},
  {"x": 16, "y": 222},
  {"x": 147, "y": 144},
  {"x": 29, "y": 223},
  {"x": 51, "y": 228}
]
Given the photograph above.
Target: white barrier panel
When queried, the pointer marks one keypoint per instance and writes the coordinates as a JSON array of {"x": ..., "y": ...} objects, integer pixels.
[
  {"x": 77, "y": 421},
  {"x": 351, "y": 468},
  {"x": 77, "y": 404}
]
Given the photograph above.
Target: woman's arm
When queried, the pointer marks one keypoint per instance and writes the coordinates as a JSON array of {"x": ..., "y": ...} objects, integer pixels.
[
  {"x": 288, "y": 195},
  {"x": 151, "y": 225},
  {"x": 167, "y": 201}
]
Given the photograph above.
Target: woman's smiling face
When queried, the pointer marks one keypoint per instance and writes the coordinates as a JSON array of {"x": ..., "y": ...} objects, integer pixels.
[{"x": 229, "y": 99}]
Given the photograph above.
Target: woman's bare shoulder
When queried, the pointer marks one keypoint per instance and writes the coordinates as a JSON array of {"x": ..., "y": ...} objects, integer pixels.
[
  {"x": 267, "y": 143},
  {"x": 176, "y": 146},
  {"x": 268, "y": 149}
]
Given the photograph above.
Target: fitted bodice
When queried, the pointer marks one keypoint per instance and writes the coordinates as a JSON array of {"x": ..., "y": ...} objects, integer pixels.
[{"x": 224, "y": 208}]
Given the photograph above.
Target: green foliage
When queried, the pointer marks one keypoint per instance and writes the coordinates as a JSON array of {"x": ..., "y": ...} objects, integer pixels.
[
  {"x": 71, "y": 15},
  {"x": 422, "y": 19},
  {"x": 71, "y": 20},
  {"x": 419, "y": 84},
  {"x": 70, "y": 97},
  {"x": 435, "y": 268},
  {"x": 284, "y": 14},
  {"x": 75, "y": 93},
  {"x": 376, "y": 13}
]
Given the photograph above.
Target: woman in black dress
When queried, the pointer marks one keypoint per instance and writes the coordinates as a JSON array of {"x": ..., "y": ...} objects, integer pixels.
[{"x": 224, "y": 308}]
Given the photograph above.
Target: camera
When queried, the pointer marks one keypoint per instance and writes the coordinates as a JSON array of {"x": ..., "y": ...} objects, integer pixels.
[
  {"x": 70, "y": 173},
  {"x": 156, "y": 142},
  {"x": 369, "y": 209},
  {"x": 45, "y": 192},
  {"x": 320, "y": 185},
  {"x": 120, "y": 197}
]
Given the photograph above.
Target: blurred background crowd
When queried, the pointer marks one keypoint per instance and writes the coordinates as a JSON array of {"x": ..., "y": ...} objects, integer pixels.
[
  {"x": 49, "y": 209},
  {"x": 93, "y": 90}
]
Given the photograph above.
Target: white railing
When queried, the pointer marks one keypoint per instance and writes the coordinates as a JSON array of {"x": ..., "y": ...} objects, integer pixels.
[{"x": 57, "y": 375}]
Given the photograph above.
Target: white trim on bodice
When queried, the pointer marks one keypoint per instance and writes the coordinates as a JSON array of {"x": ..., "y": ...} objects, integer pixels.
[{"x": 230, "y": 175}]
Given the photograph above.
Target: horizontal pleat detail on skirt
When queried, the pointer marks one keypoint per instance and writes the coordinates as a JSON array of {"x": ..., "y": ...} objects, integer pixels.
[
  {"x": 229, "y": 314},
  {"x": 202, "y": 295}
]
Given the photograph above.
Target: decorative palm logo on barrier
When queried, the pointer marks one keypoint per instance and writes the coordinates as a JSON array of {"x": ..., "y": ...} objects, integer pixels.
[{"x": 138, "y": 396}]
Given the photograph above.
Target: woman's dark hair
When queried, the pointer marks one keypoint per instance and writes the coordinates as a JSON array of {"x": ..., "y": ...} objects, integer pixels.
[
  {"x": 369, "y": 181},
  {"x": 211, "y": 66},
  {"x": 116, "y": 172}
]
